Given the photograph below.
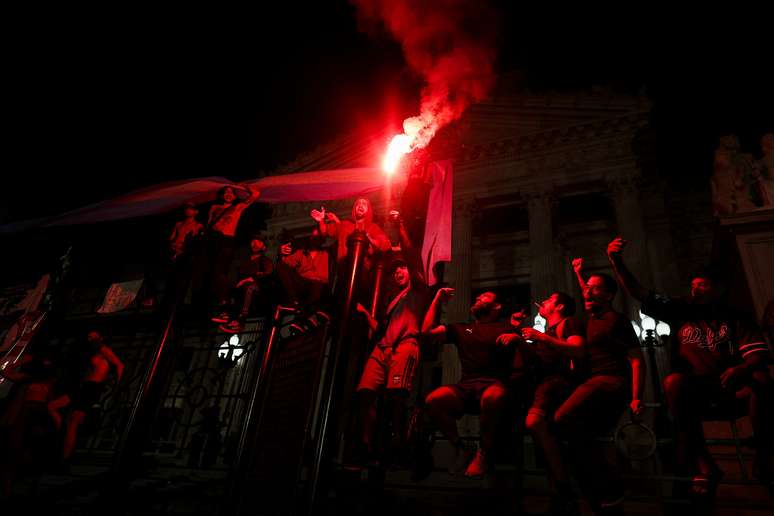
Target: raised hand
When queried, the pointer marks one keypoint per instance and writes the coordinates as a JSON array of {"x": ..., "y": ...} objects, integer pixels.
[
  {"x": 577, "y": 264},
  {"x": 615, "y": 247},
  {"x": 360, "y": 308},
  {"x": 318, "y": 215},
  {"x": 286, "y": 249},
  {"x": 445, "y": 293}
]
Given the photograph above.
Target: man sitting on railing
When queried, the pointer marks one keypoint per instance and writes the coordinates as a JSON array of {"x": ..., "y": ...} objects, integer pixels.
[
  {"x": 721, "y": 362},
  {"x": 253, "y": 273},
  {"x": 486, "y": 366},
  {"x": 614, "y": 377}
]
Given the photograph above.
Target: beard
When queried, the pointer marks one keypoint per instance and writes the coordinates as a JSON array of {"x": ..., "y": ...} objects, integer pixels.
[{"x": 480, "y": 310}]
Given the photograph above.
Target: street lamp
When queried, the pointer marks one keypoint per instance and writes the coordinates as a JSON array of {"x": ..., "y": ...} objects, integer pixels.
[{"x": 230, "y": 350}]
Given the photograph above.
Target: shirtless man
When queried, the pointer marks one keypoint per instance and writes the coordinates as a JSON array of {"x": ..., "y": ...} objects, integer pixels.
[
  {"x": 183, "y": 231},
  {"x": 99, "y": 358}
]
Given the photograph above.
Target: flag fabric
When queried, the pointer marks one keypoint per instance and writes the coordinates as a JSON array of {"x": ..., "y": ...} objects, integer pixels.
[
  {"x": 320, "y": 185},
  {"x": 437, "y": 243},
  {"x": 119, "y": 296},
  {"x": 28, "y": 305}
]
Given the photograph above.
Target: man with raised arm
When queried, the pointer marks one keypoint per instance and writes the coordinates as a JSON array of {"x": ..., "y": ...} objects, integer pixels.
[
  {"x": 720, "y": 360},
  {"x": 391, "y": 367},
  {"x": 615, "y": 372},
  {"x": 486, "y": 365}
]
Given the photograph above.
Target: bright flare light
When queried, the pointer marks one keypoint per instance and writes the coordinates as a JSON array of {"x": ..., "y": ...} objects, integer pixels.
[{"x": 400, "y": 145}]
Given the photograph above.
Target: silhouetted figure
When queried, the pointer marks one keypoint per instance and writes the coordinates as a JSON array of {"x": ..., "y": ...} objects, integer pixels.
[
  {"x": 252, "y": 276},
  {"x": 96, "y": 361},
  {"x": 26, "y": 430}
]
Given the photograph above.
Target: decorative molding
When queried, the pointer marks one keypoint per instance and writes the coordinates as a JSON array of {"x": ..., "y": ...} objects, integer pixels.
[{"x": 535, "y": 144}]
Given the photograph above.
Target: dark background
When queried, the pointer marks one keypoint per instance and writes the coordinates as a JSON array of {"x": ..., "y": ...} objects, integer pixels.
[{"x": 101, "y": 102}]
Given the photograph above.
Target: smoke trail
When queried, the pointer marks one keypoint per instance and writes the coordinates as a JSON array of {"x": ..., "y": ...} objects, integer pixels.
[{"x": 451, "y": 44}]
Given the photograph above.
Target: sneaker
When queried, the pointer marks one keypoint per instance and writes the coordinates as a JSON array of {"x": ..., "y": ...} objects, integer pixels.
[
  {"x": 222, "y": 318},
  {"x": 296, "y": 329},
  {"x": 234, "y": 326},
  {"x": 461, "y": 460},
  {"x": 478, "y": 467}
]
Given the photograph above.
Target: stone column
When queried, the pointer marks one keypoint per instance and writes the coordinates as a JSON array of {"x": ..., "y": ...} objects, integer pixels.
[
  {"x": 624, "y": 190},
  {"x": 459, "y": 277},
  {"x": 547, "y": 272}
]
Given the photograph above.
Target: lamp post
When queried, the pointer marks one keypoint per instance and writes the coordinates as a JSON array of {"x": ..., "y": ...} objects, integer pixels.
[{"x": 650, "y": 329}]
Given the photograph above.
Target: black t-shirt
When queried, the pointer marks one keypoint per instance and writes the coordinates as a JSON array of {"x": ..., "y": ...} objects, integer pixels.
[
  {"x": 251, "y": 267},
  {"x": 548, "y": 359},
  {"x": 709, "y": 339},
  {"x": 609, "y": 337},
  {"x": 479, "y": 353}
]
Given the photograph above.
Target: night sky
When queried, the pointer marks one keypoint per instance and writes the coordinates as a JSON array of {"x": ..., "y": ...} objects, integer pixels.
[{"x": 102, "y": 102}]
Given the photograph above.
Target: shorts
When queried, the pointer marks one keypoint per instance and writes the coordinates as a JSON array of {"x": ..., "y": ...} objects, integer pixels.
[
  {"x": 550, "y": 392},
  {"x": 470, "y": 390},
  {"x": 391, "y": 368}
]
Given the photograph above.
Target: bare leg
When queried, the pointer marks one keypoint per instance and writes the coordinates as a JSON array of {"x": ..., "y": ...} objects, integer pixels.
[
  {"x": 442, "y": 405},
  {"x": 538, "y": 426},
  {"x": 71, "y": 432},
  {"x": 492, "y": 406}
]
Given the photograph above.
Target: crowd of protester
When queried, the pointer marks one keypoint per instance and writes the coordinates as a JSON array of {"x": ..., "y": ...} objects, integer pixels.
[{"x": 567, "y": 385}]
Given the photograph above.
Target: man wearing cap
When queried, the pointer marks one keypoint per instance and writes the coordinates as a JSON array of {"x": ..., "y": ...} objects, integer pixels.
[
  {"x": 392, "y": 363},
  {"x": 253, "y": 272}
]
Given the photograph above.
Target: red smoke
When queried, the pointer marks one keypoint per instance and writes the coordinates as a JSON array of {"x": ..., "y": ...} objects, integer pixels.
[{"x": 451, "y": 44}]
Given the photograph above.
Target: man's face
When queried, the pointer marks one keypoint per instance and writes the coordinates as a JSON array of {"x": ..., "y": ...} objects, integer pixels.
[
  {"x": 190, "y": 212},
  {"x": 257, "y": 245},
  {"x": 93, "y": 337},
  {"x": 401, "y": 275},
  {"x": 484, "y": 304},
  {"x": 361, "y": 208},
  {"x": 549, "y": 306},
  {"x": 518, "y": 318},
  {"x": 596, "y": 295},
  {"x": 703, "y": 291},
  {"x": 228, "y": 195}
]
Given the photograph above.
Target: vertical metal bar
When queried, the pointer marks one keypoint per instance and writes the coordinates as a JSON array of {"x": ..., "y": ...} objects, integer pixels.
[{"x": 357, "y": 245}]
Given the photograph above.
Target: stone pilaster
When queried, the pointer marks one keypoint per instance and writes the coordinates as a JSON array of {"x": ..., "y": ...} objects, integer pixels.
[
  {"x": 459, "y": 277},
  {"x": 547, "y": 272},
  {"x": 624, "y": 190}
]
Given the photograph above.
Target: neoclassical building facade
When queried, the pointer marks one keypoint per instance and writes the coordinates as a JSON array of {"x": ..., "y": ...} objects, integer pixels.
[{"x": 539, "y": 180}]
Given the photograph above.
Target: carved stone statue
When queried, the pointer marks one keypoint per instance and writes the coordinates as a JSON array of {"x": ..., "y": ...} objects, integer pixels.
[{"x": 739, "y": 182}]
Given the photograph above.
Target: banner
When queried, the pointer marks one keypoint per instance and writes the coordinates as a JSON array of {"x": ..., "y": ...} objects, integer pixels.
[
  {"x": 437, "y": 244},
  {"x": 119, "y": 296}
]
